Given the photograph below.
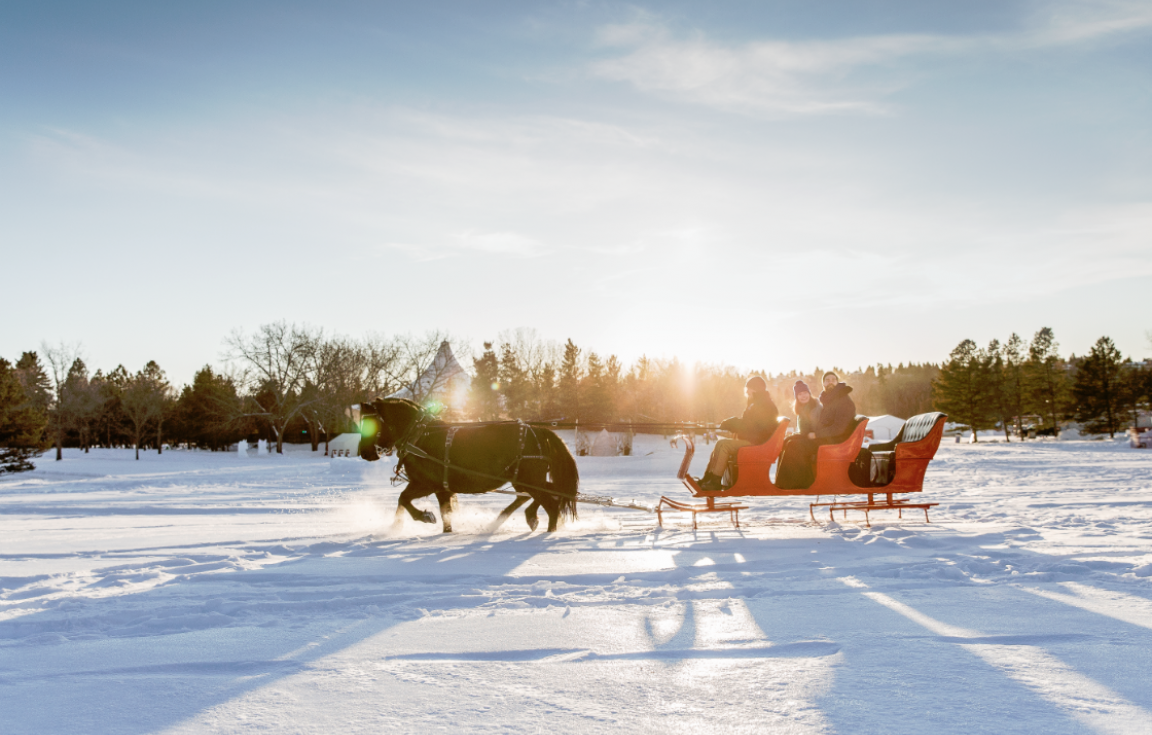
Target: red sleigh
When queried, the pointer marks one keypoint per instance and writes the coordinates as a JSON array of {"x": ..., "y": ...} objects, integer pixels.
[{"x": 898, "y": 467}]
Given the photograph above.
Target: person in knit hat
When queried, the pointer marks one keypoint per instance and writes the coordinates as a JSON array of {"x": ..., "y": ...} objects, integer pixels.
[
  {"x": 806, "y": 409},
  {"x": 797, "y": 464},
  {"x": 754, "y": 427}
]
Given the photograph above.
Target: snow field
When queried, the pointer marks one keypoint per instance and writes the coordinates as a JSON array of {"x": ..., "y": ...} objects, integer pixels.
[{"x": 200, "y": 592}]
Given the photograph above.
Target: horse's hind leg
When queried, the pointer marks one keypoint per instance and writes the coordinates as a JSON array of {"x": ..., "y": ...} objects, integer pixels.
[
  {"x": 550, "y": 506},
  {"x": 553, "y": 509},
  {"x": 504, "y": 514},
  {"x": 410, "y": 493},
  {"x": 448, "y": 506}
]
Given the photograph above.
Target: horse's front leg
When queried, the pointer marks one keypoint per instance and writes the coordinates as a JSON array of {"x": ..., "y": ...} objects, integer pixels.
[
  {"x": 530, "y": 514},
  {"x": 410, "y": 493},
  {"x": 448, "y": 506}
]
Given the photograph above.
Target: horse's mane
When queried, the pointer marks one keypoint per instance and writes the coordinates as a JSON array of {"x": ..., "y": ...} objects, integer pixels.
[{"x": 401, "y": 402}]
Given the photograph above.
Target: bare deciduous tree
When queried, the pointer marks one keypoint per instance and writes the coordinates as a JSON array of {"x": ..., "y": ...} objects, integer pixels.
[
  {"x": 60, "y": 359},
  {"x": 341, "y": 368},
  {"x": 276, "y": 362}
]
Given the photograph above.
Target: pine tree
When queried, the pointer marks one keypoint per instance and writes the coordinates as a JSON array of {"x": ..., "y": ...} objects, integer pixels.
[
  {"x": 1133, "y": 393},
  {"x": 961, "y": 391},
  {"x": 597, "y": 390},
  {"x": 34, "y": 380},
  {"x": 112, "y": 420},
  {"x": 484, "y": 395},
  {"x": 206, "y": 412},
  {"x": 81, "y": 403},
  {"x": 1012, "y": 385},
  {"x": 1099, "y": 389},
  {"x": 514, "y": 382},
  {"x": 545, "y": 391},
  {"x": 998, "y": 402},
  {"x": 612, "y": 377},
  {"x": 22, "y": 421},
  {"x": 1045, "y": 380},
  {"x": 568, "y": 384}
]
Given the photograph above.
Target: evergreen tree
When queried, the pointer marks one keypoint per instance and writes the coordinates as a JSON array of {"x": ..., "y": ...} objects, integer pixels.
[
  {"x": 612, "y": 377},
  {"x": 639, "y": 402},
  {"x": 484, "y": 395},
  {"x": 568, "y": 383},
  {"x": 1045, "y": 380},
  {"x": 514, "y": 382},
  {"x": 81, "y": 403},
  {"x": 35, "y": 382},
  {"x": 206, "y": 412},
  {"x": 998, "y": 402},
  {"x": 597, "y": 391},
  {"x": 1012, "y": 384},
  {"x": 1135, "y": 386},
  {"x": 1099, "y": 389},
  {"x": 22, "y": 421},
  {"x": 111, "y": 421},
  {"x": 545, "y": 392},
  {"x": 961, "y": 391}
]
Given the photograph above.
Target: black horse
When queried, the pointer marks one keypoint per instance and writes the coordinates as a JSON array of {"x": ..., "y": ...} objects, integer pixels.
[{"x": 470, "y": 458}]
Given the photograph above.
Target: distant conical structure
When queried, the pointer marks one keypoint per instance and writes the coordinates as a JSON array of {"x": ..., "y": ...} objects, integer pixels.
[{"x": 444, "y": 380}]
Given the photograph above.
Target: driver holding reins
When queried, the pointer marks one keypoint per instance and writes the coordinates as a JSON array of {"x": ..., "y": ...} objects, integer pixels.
[{"x": 754, "y": 427}]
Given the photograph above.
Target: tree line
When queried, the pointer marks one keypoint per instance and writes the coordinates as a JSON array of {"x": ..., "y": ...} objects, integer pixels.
[
  {"x": 1029, "y": 388},
  {"x": 521, "y": 376},
  {"x": 286, "y": 382},
  {"x": 282, "y": 379}
]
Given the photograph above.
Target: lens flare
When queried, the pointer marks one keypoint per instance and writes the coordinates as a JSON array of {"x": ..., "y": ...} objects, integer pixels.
[{"x": 367, "y": 427}]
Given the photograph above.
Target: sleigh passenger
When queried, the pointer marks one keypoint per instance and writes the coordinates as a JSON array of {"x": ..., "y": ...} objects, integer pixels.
[
  {"x": 832, "y": 423},
  {"x": 754, "y": 427}
]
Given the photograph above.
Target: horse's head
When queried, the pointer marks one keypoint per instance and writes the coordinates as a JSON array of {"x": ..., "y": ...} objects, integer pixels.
[{"x": 384, "y": 423}]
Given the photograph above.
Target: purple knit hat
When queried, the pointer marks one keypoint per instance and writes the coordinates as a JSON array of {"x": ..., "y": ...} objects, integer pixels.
[{"x": 800, "y": 387}]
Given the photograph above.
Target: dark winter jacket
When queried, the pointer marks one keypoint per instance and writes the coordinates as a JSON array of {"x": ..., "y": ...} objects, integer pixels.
[
  {"x": 807, "y": 417},
  {"x": 837, "y": 413},
  {"x": 758, "y": 422}
]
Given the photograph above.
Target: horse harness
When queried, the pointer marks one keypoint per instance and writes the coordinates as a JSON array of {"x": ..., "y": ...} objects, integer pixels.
[{"x": 407, "y": 446}]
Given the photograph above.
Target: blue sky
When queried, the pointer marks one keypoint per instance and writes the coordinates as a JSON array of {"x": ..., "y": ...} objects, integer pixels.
[{"x": 767, "y": 185}]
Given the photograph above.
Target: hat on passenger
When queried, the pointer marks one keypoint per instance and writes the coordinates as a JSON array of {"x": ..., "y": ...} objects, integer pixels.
[
  {"x": 756, "y": 384},
  {"x": 800, "y": 387}
]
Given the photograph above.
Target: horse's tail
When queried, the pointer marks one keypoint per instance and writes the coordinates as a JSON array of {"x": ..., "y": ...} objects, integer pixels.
[{"x": 565, "y": 475}]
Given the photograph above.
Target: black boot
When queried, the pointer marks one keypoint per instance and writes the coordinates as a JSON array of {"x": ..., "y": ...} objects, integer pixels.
[{"x": 710, "y": 483}]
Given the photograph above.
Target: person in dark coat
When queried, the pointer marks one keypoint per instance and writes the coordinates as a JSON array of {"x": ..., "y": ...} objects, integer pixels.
[
  {"x": 796, "y": 468},
  {"x": 756, "y": 426},
  {"x": 837, "y": 411}
]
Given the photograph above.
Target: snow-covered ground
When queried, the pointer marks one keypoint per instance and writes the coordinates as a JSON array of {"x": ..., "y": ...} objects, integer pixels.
[{"x": 200, "y": 592}]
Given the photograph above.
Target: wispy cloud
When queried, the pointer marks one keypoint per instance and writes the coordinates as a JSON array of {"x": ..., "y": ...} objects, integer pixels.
[{"x": 784, "y": 78}]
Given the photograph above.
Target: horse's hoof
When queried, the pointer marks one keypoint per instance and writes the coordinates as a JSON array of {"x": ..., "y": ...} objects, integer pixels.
[
  {"x": 428, "y": 517},
  {"x": 532, "y": 523}
]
